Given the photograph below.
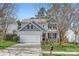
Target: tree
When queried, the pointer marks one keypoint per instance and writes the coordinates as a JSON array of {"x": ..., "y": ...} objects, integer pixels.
[
  {"x": 19, "y": 24},
  {"x": 7, "y": 12},
  {"x": 64, "y": 14},
  {"x": 32, "y": 18},
  {"x": 41, "y": 13}
]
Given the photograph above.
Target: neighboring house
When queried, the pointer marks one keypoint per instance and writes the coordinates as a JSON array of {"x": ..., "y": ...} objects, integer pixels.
[
  {"x": 12, "y": 25},
  {"x": 36, "y": 30},
  {"x": 77, "y": 38},
  {"x": 77, "y": 35},
  {"x": 12, "y": 28},
  {"x": 70, "y": 35}
]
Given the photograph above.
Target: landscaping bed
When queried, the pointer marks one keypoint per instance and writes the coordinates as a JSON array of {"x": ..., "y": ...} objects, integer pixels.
[
  {"x": 68, "y": 47},
  {"x": 5, "y": 44}
]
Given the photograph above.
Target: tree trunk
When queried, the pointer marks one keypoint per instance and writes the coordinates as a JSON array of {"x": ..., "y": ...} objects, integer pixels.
[
  {"x": 75, "y": 39},
  {"x": 61, "y": 37},
  {"x": 4, "y": 34}
]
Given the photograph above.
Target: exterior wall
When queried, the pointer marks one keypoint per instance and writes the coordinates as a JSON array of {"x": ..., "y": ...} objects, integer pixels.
[
  {"x": 23, "y": 23},
  {"x": 34, "y": 28},
  {"x": 11, "y": 28},
  {"x": 45, "y": 26},
  {"x": 29, "y": 32}
]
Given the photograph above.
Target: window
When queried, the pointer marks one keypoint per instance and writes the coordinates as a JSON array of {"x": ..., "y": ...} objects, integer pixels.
[
  {"x": 54, "y": 26},
  {"x": 49, "y": 35},
  {"x": 31, "y": 26},
  {"x": 50, "y": 26},
  {"x": 54, "y": 35},
  {"x": 27, "y": 26}
]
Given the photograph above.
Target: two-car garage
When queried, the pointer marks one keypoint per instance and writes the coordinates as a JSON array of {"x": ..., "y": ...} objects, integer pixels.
[{"x": 30, "y": 36}]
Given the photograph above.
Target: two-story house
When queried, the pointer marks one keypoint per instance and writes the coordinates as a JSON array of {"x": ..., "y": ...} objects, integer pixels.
[{"x": 36, "y": 30}]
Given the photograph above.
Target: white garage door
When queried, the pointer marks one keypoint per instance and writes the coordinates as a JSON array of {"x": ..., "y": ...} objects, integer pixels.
[{"x": 30, "y": 38}]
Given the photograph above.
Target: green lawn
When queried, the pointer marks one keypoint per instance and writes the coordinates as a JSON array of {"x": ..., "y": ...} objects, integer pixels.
[
  {"x": 61, "y": 48},
  {"x": 4, "y": 44}
]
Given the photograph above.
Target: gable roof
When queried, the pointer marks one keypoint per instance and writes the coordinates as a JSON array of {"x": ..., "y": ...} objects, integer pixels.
[
  {"x": 38, "y": 21},
  {"x": 35, "y": 24},
  {"x": 52, "y": 20},
  {"x": 39, "y": 26}
]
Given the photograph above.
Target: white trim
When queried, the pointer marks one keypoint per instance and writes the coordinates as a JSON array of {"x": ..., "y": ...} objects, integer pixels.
[
  {"x": 24, "y": 26},
  {"x": 31, "y": 23},
  {"x": 37, "y": 26}
]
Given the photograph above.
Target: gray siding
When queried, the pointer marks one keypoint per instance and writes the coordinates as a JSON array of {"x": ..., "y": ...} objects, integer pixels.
[{"x": 30, "y": 29}]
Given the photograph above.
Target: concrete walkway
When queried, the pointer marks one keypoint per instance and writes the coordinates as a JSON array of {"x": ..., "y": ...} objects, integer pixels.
[
  {"x": 48, "y": 52},
  {"x": 22, "y": 49}
]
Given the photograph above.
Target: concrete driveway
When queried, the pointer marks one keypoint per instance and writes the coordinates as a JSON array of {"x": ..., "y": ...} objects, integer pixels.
[{"x": 22, "y": 49}]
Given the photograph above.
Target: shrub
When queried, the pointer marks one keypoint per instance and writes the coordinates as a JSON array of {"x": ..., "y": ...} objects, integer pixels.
[
  {"x": 16, "y": 38},
  {"x": 12, "y": 37}
]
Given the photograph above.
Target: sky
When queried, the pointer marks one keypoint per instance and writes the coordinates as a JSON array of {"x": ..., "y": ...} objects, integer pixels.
[{"x": 28, "y": 10}]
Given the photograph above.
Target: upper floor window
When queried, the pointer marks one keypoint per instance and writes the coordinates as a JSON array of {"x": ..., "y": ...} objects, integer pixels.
[
  {"x": 50, "y": 26},
  {"x": 29, "y": 26},
  {"x": 54, "y": 26}
]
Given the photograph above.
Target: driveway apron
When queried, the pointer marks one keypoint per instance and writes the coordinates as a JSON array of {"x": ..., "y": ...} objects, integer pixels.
[{"x": 22, "y": 49}]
